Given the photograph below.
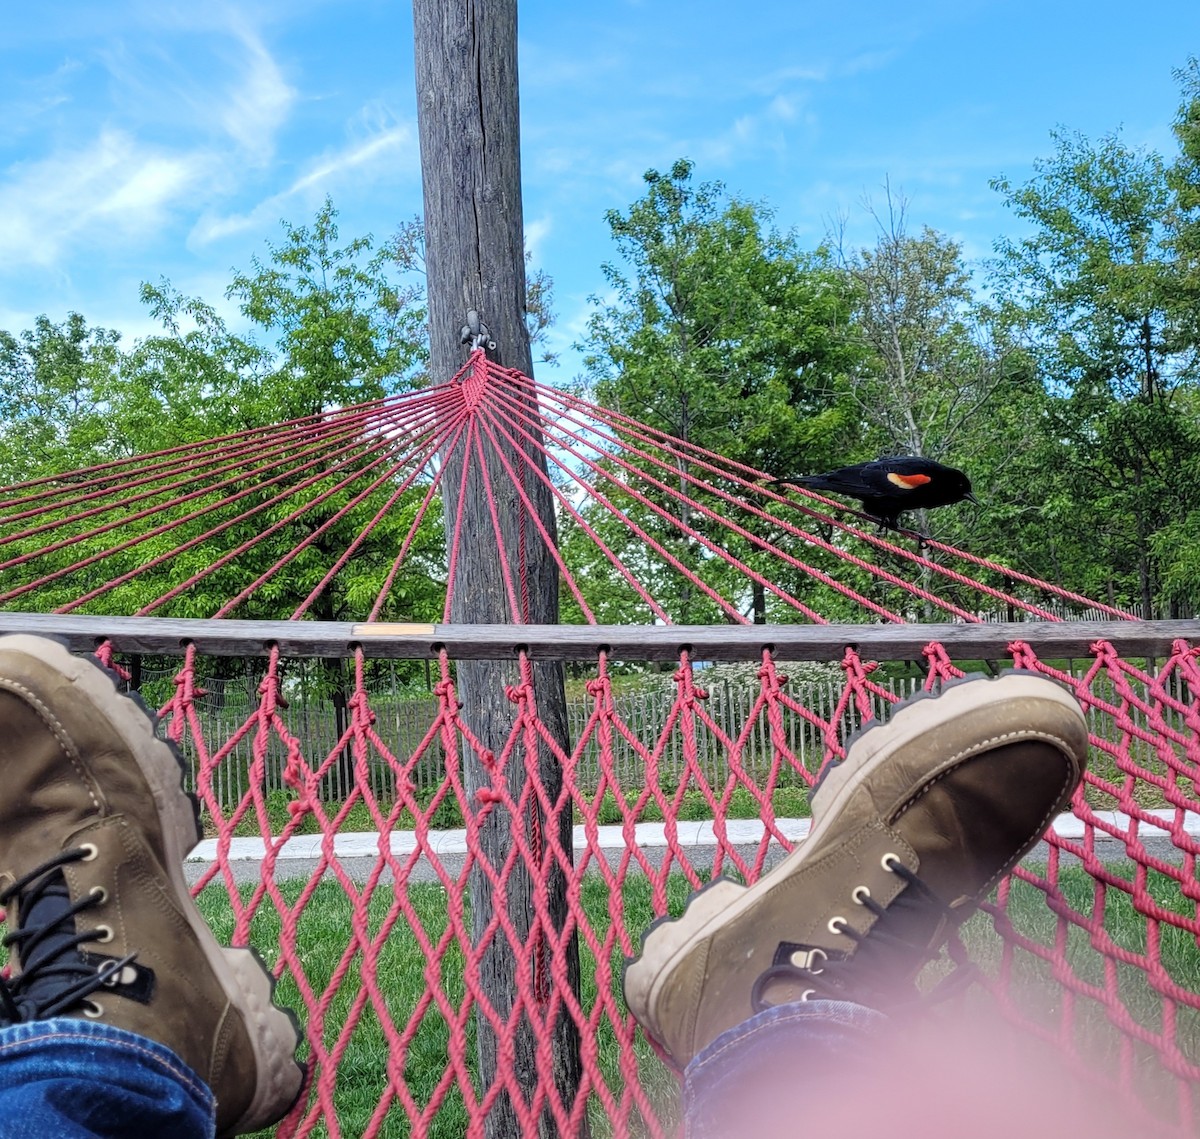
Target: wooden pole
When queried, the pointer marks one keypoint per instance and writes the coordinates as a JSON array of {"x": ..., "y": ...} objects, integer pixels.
[{"x": 468, "y": 121}]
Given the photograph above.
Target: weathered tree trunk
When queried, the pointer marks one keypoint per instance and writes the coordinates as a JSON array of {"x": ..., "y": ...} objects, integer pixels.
[
  {"x": 759, "y": 602},
  {"x": 466, "y": 70},
  {"x": 341, "y": 776}
]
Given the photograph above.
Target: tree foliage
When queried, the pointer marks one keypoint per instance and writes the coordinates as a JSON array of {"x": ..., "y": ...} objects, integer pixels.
[
  {"x": 1065, "y": 383},
  {"x": 1094, "y": 294},
  {"x": 722, "y": 332},
  {"x": 329, "y": 326},
  {"x": 52, "y": 379},
  {"x": 344, "y": 330},
  {"x": 928, "y": 367}
]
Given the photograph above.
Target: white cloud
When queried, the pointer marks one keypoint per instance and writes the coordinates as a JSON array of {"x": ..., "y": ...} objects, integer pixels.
[
  {"x": 770, "y": 128},
  {"x": 259, "y": 103},
  {"x": 25, "y": 116},
  {"x": 214, "y": 79},
  {"x": 787, "y": 76},
  {"x": 322, "y": 175},
  {"x": 152, "y": 183},
  {"x": 359, "y": 154},
  {"x": 115, "y": 189},
  {"x": 868, "y": 61},
  {"x": 12, "y": 319},
  {"x": 536, "y": 232},
  {"x": 782, "y": 108},
  {"x": 104, "y": 183},
  {"x": 551, "y": 70}
]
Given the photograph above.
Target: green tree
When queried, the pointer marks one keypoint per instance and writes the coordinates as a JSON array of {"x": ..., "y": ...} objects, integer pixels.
[
  {"x": 332, "y": 329},
  {"x": 1183, "y": 217},
  {"x": 194, "y": 380},
  {"x": 929, "y": 367},
  {"x": 52, "y": 379},
  {"x": 724, "y": 334},
  {"x": 1094, "y": 294},
  {"x": 344, "y": 331},
  {"x": 1176, "y": 546}
]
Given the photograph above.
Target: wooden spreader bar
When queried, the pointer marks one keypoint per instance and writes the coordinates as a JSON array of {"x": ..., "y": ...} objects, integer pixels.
[{"x": 985, "y": 641}]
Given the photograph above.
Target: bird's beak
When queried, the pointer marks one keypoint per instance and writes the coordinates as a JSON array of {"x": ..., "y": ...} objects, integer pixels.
[{"x": 972, "y": 498}]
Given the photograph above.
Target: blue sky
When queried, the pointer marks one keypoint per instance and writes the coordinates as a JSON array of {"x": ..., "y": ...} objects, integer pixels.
[{"x": 141, "y": 139}]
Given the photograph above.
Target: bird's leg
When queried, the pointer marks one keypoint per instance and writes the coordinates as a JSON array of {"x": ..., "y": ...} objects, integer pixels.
[{"x": 922, "y": 540}]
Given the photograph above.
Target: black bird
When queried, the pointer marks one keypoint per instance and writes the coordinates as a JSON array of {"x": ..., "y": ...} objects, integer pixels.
[{"x": 886, "y": 487}]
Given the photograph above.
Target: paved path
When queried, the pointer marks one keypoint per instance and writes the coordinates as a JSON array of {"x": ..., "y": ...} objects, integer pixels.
[{"x": 357, "y": 853}]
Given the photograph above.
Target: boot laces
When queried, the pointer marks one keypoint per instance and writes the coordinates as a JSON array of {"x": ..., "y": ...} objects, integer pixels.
[
  {"x": 54, "y": 977},
  {"x": 869, "y": 970}
]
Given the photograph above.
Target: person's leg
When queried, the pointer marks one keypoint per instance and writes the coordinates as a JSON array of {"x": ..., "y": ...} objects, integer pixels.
[
  {"x": 833, "y": 1068},
  {"x": 70, "y": 1078},
  {"x": 754, "y": 1079},
  {"x": 923, "y": 817},
  {"x": 94, "y": 827}
]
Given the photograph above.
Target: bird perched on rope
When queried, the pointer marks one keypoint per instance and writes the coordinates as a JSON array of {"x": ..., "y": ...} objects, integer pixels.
[{"x": 886, "y": 487}]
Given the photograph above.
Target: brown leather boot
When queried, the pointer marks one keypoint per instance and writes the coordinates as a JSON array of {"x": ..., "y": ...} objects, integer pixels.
[
  {"x": 94, "y": 827},
  {"x": 923, "y": 817}
]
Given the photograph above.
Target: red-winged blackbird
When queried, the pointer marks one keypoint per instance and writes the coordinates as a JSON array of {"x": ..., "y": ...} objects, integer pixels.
[{"x": 888, "y": 486}]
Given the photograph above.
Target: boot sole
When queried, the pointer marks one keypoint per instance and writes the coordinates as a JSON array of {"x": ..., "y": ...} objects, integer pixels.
[
  {"x": 668, "y": 941},
  {"x": 249, "y": 985}
]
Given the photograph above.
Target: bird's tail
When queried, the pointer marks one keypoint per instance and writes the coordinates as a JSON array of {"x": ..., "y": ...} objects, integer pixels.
[{"x": 809, "y": 482}]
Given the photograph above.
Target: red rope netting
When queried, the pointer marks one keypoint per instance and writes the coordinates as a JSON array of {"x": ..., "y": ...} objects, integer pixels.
[
  {"x": 346, "y": 849},
  {"x": 134, "y": 535}
]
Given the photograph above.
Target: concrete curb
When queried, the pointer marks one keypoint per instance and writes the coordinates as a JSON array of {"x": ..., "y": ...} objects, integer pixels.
[{"x": 358, "y": 852}]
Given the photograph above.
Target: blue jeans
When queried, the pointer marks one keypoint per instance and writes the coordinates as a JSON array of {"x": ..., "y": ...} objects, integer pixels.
[
  {"x": 758, "y": 1079},
  {"x": 834, "y": 1070},
  {"x": 72, "y": 1078}
]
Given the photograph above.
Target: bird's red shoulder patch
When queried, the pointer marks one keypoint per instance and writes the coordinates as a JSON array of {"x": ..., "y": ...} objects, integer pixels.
[{"x": 908, "y": 482}]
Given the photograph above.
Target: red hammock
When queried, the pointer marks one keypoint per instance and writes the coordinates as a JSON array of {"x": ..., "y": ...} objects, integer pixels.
[{"x": 1062, "y": 921}]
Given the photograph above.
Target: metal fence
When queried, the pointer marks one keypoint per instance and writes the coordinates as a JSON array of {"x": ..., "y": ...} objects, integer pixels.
[{"x": 403, "y": 719}]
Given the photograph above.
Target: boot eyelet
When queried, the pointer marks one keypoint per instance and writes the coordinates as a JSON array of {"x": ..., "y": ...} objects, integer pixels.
[
  {"x": 93, "y": 1010},
  {"x": 889, "y": 862},
  {"x": 808, "y": 995},
  {"x": 806, "y": 958},
  {"x": 859, "y": 893},
  {"x": 836, "y": 924},
  {"x": 90, "y": 851},
  {"x": 100, "y": 894},
  {"x": 103, "y": 933}
]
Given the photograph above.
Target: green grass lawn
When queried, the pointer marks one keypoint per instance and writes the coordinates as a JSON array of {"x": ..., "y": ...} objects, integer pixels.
[
  {"x": 323, "y": 933},
  {"x": 786, "y": 802},
  {"x": 1091, "y": 1026}
]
